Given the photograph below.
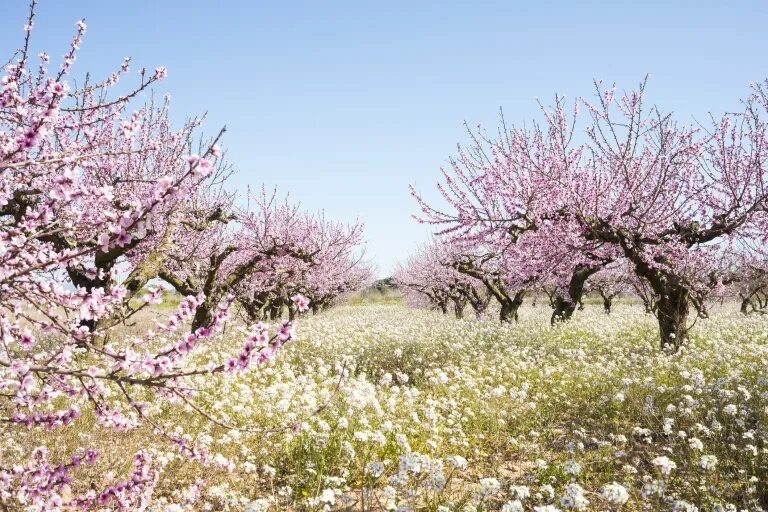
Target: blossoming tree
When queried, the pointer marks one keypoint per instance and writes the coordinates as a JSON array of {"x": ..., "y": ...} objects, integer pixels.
[
  {"x": 673, "y": 200},
  {"x": 512, "y": 224},
  {"x": 432, "y": 278},
  {"x": 87, "y": 187}
]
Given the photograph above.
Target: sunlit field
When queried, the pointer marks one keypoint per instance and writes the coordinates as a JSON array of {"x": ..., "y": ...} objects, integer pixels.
[
  {"x": 251, "y": 258},
  {"x": 379, "y": 407}
]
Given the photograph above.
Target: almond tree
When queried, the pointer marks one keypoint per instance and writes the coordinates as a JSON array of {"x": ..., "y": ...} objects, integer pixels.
[
  {"x": 336, "y": 268},
  {"x": 63, "y": 231},
  {"x": 674, "y": 199},
  {"x": 340, "y": 268},
  {"x": 512, "y": 223},
  {"x": 610, "y": 282},
  {"x": 265, "y": 239},
  {"x": 431, "y": 278},
  {"x": 750, "y": 282}
]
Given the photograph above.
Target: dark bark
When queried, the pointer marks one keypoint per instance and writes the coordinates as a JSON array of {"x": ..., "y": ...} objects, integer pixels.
[
  {"x": 458, "y": 307},
  {"x": 564, "y": 307},
  {"x": 755, "y": 302},
  {"x": 255, "y": 306},
  {"x": 672, "y": 301},
  {"x": 672, "y": 312},
  {"x": 563, "y": 311},
  {"x": 203, "y": 316},
  {"x": 607, "y": 303},
  {"x": 479, "y": 304},
  {"x": 276, "y": 312},
  {"x": 649, "y": 306},
  {"x": 215, "y": 289},
  {"x": 510, "y": 306}
]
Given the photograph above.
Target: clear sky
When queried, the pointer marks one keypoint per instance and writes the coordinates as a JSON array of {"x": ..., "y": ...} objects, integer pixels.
[{"x": 344, "y": 104}]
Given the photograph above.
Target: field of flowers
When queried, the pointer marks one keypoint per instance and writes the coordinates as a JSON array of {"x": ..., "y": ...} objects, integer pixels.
[{"x": 381, "y": 407}]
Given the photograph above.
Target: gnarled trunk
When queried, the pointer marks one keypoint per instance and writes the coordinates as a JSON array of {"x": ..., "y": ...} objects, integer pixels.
[
  {"x": 458, "y": 307},
  {"x": 744, "y": 306},
  {"x": 478, "y": 302},
  {"x": 564, "y": 308},
  {"x": 672, "y": 312},
  {"x": 204, "y": 315},
  {"x": 607, "y": 301},
  {"x": 510, "y": 306},
  {"x": 90, "y": 280},
  {"x": 276, "y": 312},
  {"x": 649, "y": 307}
]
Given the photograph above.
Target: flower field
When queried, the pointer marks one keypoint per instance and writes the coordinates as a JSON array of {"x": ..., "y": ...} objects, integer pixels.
[
  {"x": 580, "y": 322},
  {"x": 380, "y": 407}
]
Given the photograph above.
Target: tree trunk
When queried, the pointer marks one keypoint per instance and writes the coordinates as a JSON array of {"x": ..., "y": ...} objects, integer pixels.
[
  {"x": 672, "y": 313},
  {"x": 478, "y": 308},
  {"x": 478, "y": 303},
  {"x": 275, "y": 312},
  {"x": 648, "y": 307},
  {"x": 458, "y": 308},
  {"x": 82, "y": 277},
  {"x": 607, "y": 302},
  {"x": 564, "y": 308},
  {"x": 507, "y": 313},
  {"x": 204, "y": 315},
  {"x": 744, "y": 306},
  {"x": 509, "y": 307}
]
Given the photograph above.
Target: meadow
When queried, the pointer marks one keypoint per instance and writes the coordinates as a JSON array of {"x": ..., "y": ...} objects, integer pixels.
[
  {"x": 178, "y": 335},
  {"x": 380, "y": 407}
]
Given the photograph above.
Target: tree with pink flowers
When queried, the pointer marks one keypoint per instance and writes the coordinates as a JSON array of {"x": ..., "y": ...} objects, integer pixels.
[
  {"x": 673, "y": 200},
  {"x": 503, "y": 213},
  {"x": 93, "y": 200},
  {"x": 265, "y": 237},
  {"x": 610, "y": 282},
  {"x": 432, "y": 278},
  {"x": 748, "y": 281},
  {"x": 323, "y": 260}
]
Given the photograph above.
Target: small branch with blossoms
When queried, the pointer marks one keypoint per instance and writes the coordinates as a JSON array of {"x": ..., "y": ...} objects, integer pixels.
[{"x": 92, "y": 192}]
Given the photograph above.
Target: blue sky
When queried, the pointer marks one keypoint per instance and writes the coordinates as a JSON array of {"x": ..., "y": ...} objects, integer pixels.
[{"x": 344, "y": 104}]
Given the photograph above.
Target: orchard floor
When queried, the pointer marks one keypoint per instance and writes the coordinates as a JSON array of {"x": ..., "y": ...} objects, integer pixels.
[{"x": 424, "y": 412}]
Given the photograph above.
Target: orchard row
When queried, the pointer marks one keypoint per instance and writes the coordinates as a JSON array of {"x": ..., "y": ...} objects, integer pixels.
[
  {"x": 611, "y": 191},
  {"x": 100, "y": 200}
]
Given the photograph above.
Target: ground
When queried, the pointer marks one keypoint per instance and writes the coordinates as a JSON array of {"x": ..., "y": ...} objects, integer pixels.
[{"x": 381, "y": 407}]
